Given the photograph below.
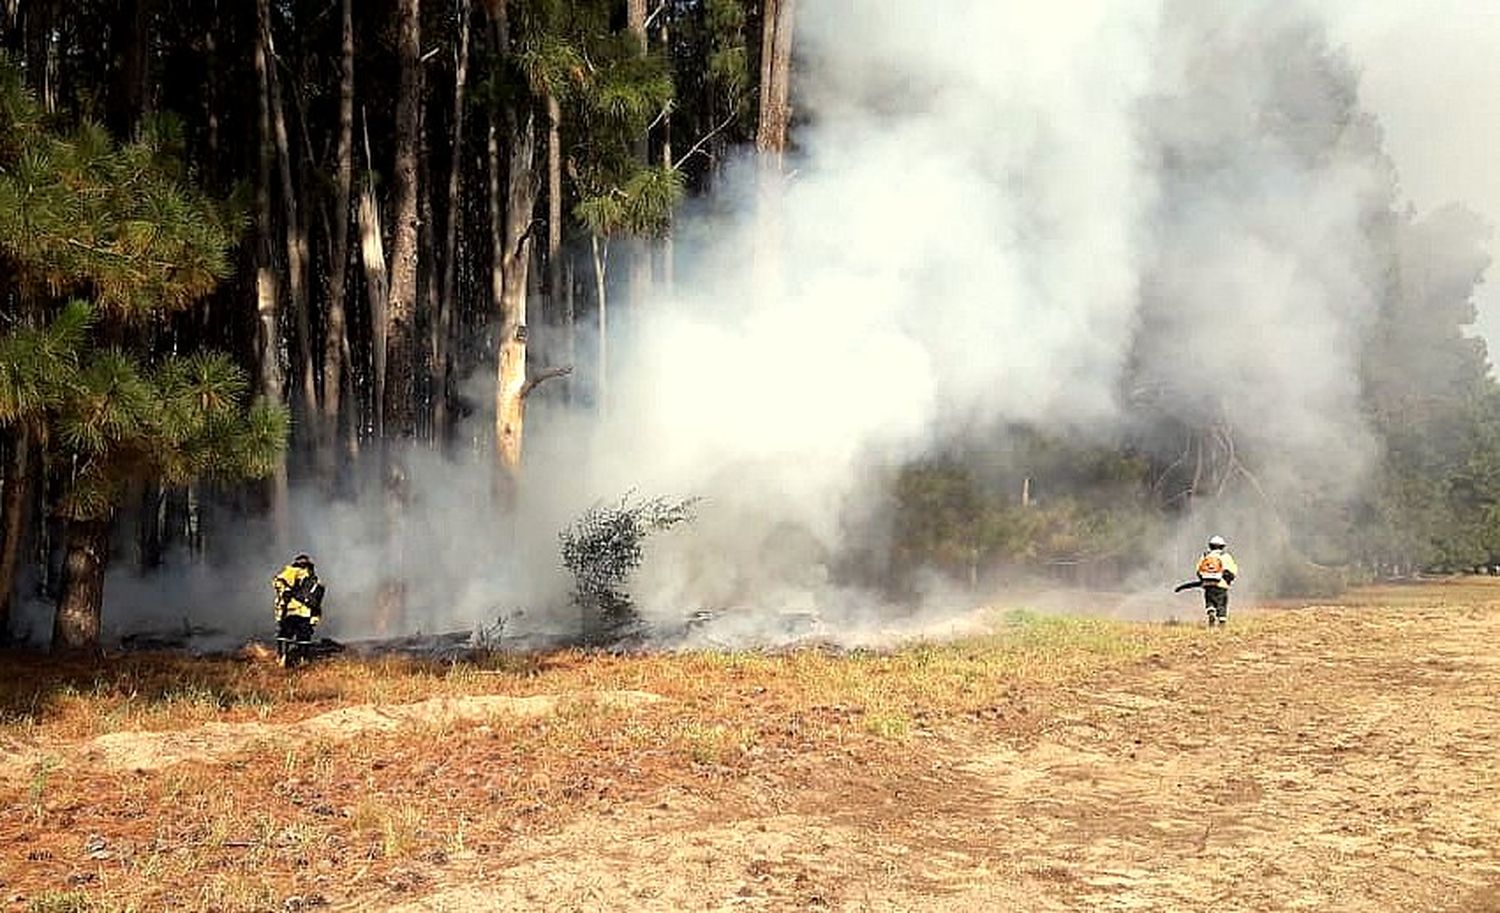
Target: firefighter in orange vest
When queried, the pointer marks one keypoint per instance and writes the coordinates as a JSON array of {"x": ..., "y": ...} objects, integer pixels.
[
  {"x": 1216, "y": 571},
  {"x": 299, "y": 608}
]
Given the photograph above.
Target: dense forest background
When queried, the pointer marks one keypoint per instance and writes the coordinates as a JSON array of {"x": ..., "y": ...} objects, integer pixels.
[{"x": 257, "y": 253}]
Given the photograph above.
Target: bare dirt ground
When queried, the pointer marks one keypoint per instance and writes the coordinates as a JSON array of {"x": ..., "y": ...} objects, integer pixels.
[
  {"x": 1346, "y": 761},
  {"x": 1336, "y": 758}
]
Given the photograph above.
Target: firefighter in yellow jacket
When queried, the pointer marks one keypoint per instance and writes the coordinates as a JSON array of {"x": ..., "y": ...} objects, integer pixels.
[
  {"x": 1216, "y": 571},
  {"x": 299, "y": 608}
]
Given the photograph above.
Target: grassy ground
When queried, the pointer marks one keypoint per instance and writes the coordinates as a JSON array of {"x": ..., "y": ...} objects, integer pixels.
[
  {"x": 291, "y": 817},
  {"x": 262, "y": 790}
]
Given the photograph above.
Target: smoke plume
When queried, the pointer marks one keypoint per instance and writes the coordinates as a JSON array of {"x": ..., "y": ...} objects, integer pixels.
[{"x": 1109, "y": 220}]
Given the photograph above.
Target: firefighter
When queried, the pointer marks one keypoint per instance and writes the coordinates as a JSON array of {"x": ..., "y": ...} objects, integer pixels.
[
  {"x": 299, "y": 608},
  {"x": 1216, "y": 571}
]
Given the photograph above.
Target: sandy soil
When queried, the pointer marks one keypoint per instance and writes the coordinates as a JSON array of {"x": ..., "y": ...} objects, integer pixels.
[{"x": 1345, "y": 763}]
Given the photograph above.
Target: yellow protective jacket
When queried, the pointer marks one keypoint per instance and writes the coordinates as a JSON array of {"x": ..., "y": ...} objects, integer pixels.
[
  {"x": 298, "y": 592},
  {"x": 1217, "y": 568}
]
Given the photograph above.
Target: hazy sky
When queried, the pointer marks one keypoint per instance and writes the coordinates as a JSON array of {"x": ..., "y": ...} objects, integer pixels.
[{"x": 1432, "y": 76}]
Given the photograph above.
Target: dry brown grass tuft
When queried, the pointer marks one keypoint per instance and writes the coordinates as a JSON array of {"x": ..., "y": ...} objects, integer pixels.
[{"x": 300, "y": 813}]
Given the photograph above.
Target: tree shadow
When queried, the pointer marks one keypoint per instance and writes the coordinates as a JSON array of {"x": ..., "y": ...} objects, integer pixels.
[{"x": 35, "y": 687}]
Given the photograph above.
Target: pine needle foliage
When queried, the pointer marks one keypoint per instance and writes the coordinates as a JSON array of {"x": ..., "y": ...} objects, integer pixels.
[
  {"x": 641, "y": 205},
  {"x": 95, "y": 234},
  {"x": 82, "y": 215},
  {"x": 611, "y": 94},
  {"x": 112, "y": 420},
  {"x": 37, "y": 365}
]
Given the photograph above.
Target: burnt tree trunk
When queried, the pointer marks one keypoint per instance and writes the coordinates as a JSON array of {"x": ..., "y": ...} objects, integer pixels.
[
  {"x": 79, "y": 611},
  {"x": 267, "y": 305},
  {"x": 400, "y": 407},
  {"x": 150, "y": 531},
  {"x": 497, "y": 275},
  {"x": 14, "y": 504},
  {"x": 129, "y": 91},
  {"x": 294, "y": 232},
  {"x": 336, "y": 333},
  {"x": 429, "y": 240},
  {"x": 443, "y": 326}
]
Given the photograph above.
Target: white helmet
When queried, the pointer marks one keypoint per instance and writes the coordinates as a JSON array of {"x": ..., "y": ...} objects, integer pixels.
[{"x": 1215, "y": 542}]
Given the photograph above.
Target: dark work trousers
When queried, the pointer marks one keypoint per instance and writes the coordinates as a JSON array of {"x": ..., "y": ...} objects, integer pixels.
[
  {"x": 293, "y": 634},
  {"x": 1216, "y": 602},
  {"x": 295, "y": 627}
]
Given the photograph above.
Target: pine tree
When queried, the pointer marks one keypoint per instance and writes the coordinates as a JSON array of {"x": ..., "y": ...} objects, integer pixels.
[{"x": 102, "y": 239}]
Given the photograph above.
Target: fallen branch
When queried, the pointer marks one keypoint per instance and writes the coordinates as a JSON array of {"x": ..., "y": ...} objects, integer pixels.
[{"x": 543, "y": 377}]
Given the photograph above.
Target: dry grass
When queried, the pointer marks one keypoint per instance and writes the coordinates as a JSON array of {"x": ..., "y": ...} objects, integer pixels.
[{"x": 287, "y": 826}]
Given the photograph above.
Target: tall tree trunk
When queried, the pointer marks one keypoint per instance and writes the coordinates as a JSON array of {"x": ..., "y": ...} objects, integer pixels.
[
  {"x": 429, "y": 239},
  {"x": 443, "y": 325},
  {"x": 510, "y": 407},
  {"x": 401, "y": 307},
  {"x": 499, "y": 16},
  {"x": 511, "y": 250},
  {"x": 150, "y": 527},
  {"x": 41, "y": 30},
  {"x": 174, "y": 512},
  {"x": 561, "y": 313},
  {"x": 668, "y": 254},
  {"x": 192, "y": 525},
  {"x": 570, "y": 323},
  {"x": 770, "y": 142},
  {"x": 496, "y": 206},
  {"x": 600, "y": 249},
  {"x": 267, "y": 306},
  {"x": 336, "y": 333},
  {"x": 212, "y": 104},
  {"x": 14, "y": 512},
  {"x": 775, "y": 78},
  {"x": 400, "y": 394},
  {"x": 635, "y": 21},
  {"x": 294, "y": 233},
  {"x": 372, "y": 255},
  {"x": 79, "y": 611},
  {"x": 638, "y": 250},
  {"x": 129, "y": 89}
]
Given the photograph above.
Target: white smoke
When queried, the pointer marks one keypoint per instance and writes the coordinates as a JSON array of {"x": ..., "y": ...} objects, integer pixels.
[
  {"x": 1427, "y": 72},
  {"x": 1265, "y": 276},
  {"x": 1012, "y": 213},
  {"x": 959, "y": 239},
  {"x": 996, "y": 212}
]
